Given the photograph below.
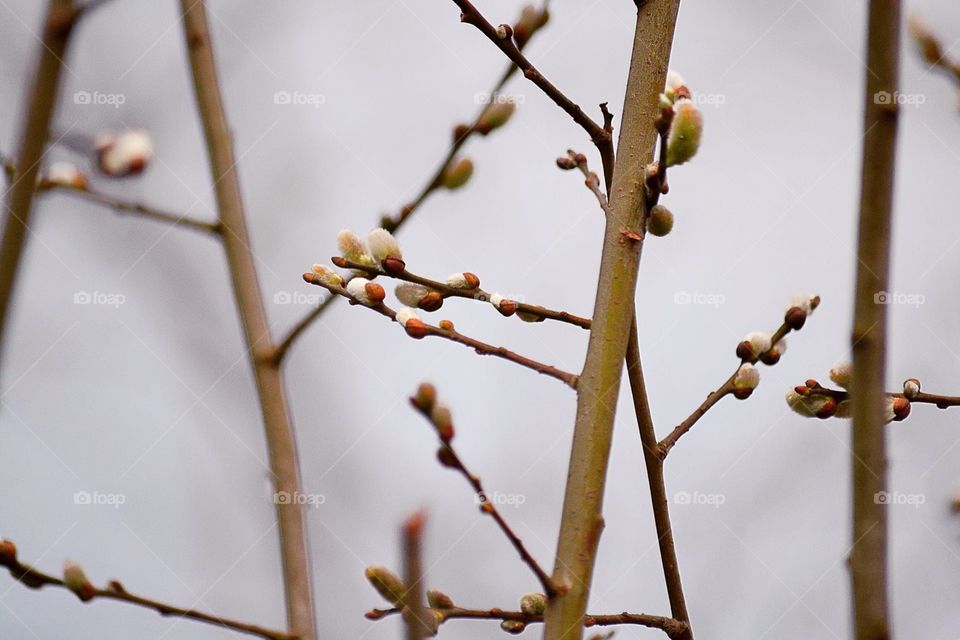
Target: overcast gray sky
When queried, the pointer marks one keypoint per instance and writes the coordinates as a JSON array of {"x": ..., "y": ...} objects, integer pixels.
[{"x": 153, "y": 400}]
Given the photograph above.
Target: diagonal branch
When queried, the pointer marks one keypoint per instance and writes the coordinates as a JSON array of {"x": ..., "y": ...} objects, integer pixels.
[
  {"x": 278, "y": 426},
  {"x": 34, "y": 132},
  {"x": 36, "y": 579}
]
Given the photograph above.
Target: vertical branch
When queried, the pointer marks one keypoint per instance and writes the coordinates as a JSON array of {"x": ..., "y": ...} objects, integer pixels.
[
  {"x": 868, "y": 559},
  {"x": 416, "y": 615},
  {"x": 277, "y": 424},
  {"x": 34, "y": 132},
  {"x": 653, "y": 460},
  {"x": 582, "y": 520}
]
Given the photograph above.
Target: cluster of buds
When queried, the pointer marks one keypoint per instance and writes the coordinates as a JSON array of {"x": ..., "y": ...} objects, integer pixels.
[
  {"x": 76, "y": 580},
  {"x": 125, "y": 153},
  {"x": 758, "y": 345},
  {"x": 531, "y": 20},
  {"x": 679, "y": 120},
  {"x": 422, "y": 297},
  {"x": 812, "y": 400},
  {"x": 381, "y": 249},
  {"x": 394, "y": 590},
  {"x": 62, "y": 174},
  {"x": 438, "y": 413},
  {"x": 456, "y": 174}
]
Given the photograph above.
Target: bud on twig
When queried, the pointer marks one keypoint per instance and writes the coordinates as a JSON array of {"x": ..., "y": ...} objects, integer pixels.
[
  {"x": 745, "y": 381},
  {"x": 911, "y": 388},
  {"x": 367, "y": 293},
  {"x": 426, "y": 397},
  {"x": 753, "y": 344},
  {"x": 327, "y": 275},
  {"x": 62, "y": 174},
  {"x": 660, "y": 222},
  {"x": 388, "y": 584},
  {"x": 439, "y": 600},
  {"x": 685, "y": 132},
  {"x": 353, "y": 249},
  {"x": 385, "y": 250},
  {"x": 841, "y": 374},
  {"x": 465, "y": 280},
  {"x": 8, "y": 553},
  {"x": 124, "y": 154},
  {"x": 443, "y": 421},
  {"x": 531, "y": 20},
  {"x": 515, "y": 627},
  {"x": 495, "y": 116},
  {"x": 76, "y": 580},
  {"x": 456, "y": 174},
  {"x": 533, "y": 604}
]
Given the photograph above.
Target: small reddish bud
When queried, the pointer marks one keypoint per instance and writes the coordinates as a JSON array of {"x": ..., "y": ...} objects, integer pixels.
[
  {"x": 504, "y": 31},
  {"x": 828, "y": 409},
  {"x": 431, "y": 301},
  {"x": 566, "y": 163},
  {"x": 375, "y": 292},
  {"x": 460, "y": 132},
  {"x": 443, "y": 421},
  {"x": 514, "y": 627},
  {"x": 415, "y": 328},
  {"x": 901, "y": 408},
  {"x": 394, "y": 264},
  {"x": 446, "y": 325},
  {"x": 446, "y": 457},
  {"x": 795, "y": 318},
  {"x": 8, "y": 553},
  {"x": 426, "y": 397}
]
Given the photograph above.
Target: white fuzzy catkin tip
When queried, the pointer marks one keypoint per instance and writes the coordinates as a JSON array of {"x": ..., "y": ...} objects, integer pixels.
[
  {"x": 674, "y": 81},
  {"x": 125, "y": 153},
  {"x": 496, "y": 299},
  {"x": 759, "y": 342},
  {"x": 73, "y": 575},
  {"x": 64, "y": 174},
  {"x": 911, "y": 388},
  {"x": 748, "y": 377},
  {"x": 406, "y": 314},
  {"x": 327, "y": 275},
  {"x": 799, "y": 300},
  {"x": 381, "y": 244},
  {"x": 458, "y": 281},
  {"x": 357, "y": 287},
  {"x": 410, "y": 293},
  {"x": 351, "y": 246},
  {"x": 842, "y": 374}
]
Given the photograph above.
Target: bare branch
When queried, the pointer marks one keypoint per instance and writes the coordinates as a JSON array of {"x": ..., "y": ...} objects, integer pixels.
[{"x": 36, "y": 579}]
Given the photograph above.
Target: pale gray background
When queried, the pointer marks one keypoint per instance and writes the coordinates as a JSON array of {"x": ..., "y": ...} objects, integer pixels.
[{"x": 154, "y": 400}]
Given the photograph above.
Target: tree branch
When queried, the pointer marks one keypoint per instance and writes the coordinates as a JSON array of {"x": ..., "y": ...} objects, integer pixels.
[
  {"x": 34, "y": 132},
  {"x": 447, "y": 331},
  {"x": 868, "y": 557},
  {"x": 673, "y": 628},
  {"x": 582, "y": 520},
  {"x": 278, "y": 426},
  {"x": 476, "y": 294},
  {"x": 125, "y": 207},
  {"x": 35, "y": 579},
  {"x": 417, "y": 617},
  {"x": 449, "y": 458}
]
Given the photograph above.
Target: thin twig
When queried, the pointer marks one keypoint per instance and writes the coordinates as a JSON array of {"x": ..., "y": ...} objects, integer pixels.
[
  {"x": 449, "y": 458},
  {"x": 278, "y": 426},
  {"x": 598, "y": 134},
  {"x": 453, "y": 335},
  {"x": 38, "y": 111},
  {"x": 36, "y": 579},
  {"x": 476, "y": 293},
  {"x": 125, "y": 207},
  {"x": 395, "y": 222},
  {"x": 715, "y": 396},
  {"x": 673, "y": 628},
  {"x": 868, "y": 459}
]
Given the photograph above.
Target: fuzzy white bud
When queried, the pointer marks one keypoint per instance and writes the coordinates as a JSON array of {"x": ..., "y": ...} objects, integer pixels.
[
  {"x": 125, "y": 153},
  {"x": 496, "y": 299},
  {"x": 747, "y": 377},
  {"x": 410, "y": 293},
  {"x": 352, "y": 247},
  {"x": 406, "y": 314},
  {"x": 759, "y": 341},
  {"x": 842, "y": 374},
  {"x": 381, "y": 244},
  {"x": 63, "y": 174},
  {"x": 800, "y": 301},
  {"x": 365, "y": 292},
  {"x": 327, "y": 275}
]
